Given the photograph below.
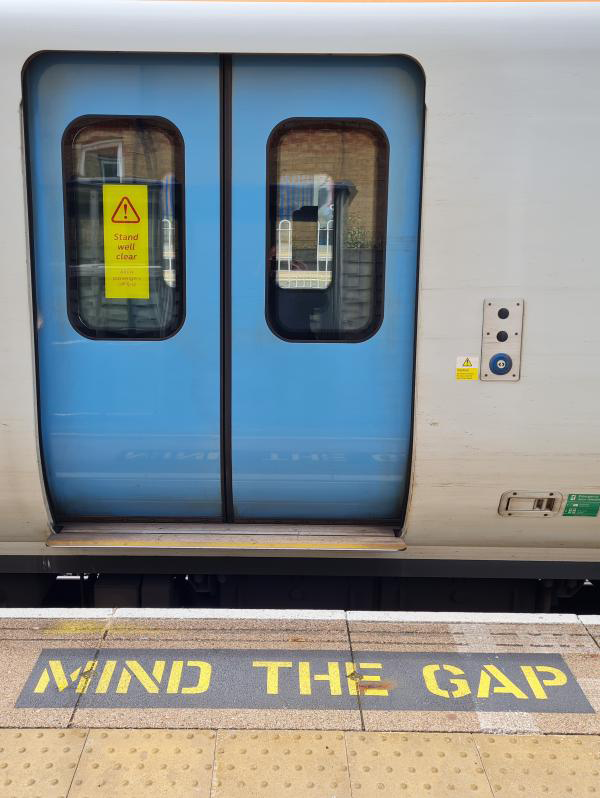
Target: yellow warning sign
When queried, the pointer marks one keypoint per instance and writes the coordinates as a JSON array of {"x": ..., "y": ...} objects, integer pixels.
[
  {"x": 126, "y": 262},
  {"x": 467, "y": 367}
]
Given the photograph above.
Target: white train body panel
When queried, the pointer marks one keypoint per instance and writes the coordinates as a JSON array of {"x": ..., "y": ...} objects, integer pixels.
[{"x": 509, "y": 209}]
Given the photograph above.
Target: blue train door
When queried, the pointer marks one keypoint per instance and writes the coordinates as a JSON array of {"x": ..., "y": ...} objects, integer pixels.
[
  {"x": 323, "y": 333},
  {"x": 125, "y": 179},
  {"x": 225, "y": 269}
]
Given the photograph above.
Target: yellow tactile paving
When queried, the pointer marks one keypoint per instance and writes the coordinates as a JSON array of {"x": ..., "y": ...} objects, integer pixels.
[
  {"x": 145, "y": 764},
  {"x": 77, "y": 763},
  {"x": 549, "y": 767},
  {"x": 38, "y": 763},
  {"x": 281, "y": 764},
  {"x": 415, "y": 765}
]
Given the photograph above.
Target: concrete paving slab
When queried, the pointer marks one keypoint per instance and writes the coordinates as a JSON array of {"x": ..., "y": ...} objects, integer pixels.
[
  {"x": 586, "y": 670},
  {"x": 556, "y": 767},
  {"x": 55, "y": 613},
  {"x": 232, "y": 634},
  {"x": 18, "y": 660},
  {"x": 130, "y": 763},
  {"x": 592, "y": 625},
  {"x": 220, "y": 613},
  {"x": 462, "y": 636},
  {"x": 416, "y": 721},
  {"x": 271, "y": 764},
  {"x": 415, "y": 765},
  {"x": 419, "y": 616},
  {"x": 39, "y": 763},
  {"x": 282, "y": 628},
  {"x": 217, "y": 719},
  {"x": 53, "y": 623},
  {"x": 52, "y": 630}
]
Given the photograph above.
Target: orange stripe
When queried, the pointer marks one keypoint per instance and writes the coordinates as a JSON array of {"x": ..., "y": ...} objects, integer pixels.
[{"x": 408, "y": 2}]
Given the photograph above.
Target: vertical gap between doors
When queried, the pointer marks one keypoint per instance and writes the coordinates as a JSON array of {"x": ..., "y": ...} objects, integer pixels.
[{"x": 225, "y": 140}]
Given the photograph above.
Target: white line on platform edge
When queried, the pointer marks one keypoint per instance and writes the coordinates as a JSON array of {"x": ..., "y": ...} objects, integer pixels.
[
  {"x": 87, "y": 613},
  {"x": 197, "y": 613},
  {"x": 461, "y": 617},
  {"x": 230, "y": 615}
]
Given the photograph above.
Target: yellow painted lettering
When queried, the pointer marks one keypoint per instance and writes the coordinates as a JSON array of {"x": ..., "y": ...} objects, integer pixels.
[
  {"x": 461, "y": 685},
  {"x": 204, "y": 674},
  {"x": 150, "y": 684},
  {"x": 87, "y": 674},
  {"x": 431, "y": 683},
  {"x": 332, "y": 676},
  {"x": 272, "y": 673},
  {"x": 158, "y": 669},
  {"x": 106, "y": 675},
  {"x": 304, "y": 678},
  {"x": 58, "y": 673},
  {"x": 371, "y": 677},
  {"x": 559, "y": 679},
  {"x": 43, "y": 682},
  {"x": 352, "y": 678},
  {"x": 61, "y": 680},
  {"x": 175, "y": 676},
  {"x": 505, "y": 684}
]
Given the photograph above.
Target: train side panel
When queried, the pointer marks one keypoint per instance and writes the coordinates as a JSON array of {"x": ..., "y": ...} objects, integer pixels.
[{"x": 509, "y": 207}]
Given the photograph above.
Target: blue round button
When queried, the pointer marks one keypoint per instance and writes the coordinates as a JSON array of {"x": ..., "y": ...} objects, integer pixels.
[{"x": 500, "y": 364}]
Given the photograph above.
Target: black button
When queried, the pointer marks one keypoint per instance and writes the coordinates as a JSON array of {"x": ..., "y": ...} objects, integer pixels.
[
  {"x": 503, "y": 313},
  {"x": 502, "y": 336}
]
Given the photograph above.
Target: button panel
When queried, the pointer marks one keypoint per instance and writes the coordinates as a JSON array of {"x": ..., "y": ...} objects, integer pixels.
[{"x": 501, "y": 339}]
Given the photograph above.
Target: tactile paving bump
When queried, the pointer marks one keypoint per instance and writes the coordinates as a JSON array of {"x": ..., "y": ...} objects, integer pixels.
[
  {"x": 145, "y": 764},
  {"x": 280, "y": 764},
  {"x": 415, "y": 765},
  {"x": 546, "y": 767},
  {"x": 38, "y": 764}
]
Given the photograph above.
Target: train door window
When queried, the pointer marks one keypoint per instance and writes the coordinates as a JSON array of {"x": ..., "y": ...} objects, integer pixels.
[
  {"x": 124, "y": 226},
  {"x": 327, "y": 201}
]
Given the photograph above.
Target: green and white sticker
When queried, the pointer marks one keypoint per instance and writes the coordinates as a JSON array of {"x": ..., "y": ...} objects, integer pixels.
[{"x": 582, "y": 504}]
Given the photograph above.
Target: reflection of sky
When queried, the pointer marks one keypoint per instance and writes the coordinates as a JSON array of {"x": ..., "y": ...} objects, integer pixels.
[{"x": 298, "y": 191}]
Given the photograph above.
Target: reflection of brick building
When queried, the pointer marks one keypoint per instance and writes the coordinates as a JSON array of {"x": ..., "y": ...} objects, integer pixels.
[
  {"x": 106, "y": 152},
  {"x": 331, "y": 189},
  {"x": 123, "y": 152},
  {"x": 341, "y": 155}
]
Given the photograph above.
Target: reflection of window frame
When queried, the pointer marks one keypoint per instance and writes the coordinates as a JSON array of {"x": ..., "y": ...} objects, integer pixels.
[
  {"x": 299, "y": 325},
  {"x": 102, "y": 145},
  {"x": 71, "y": 163},
  {"x": 326, "y": 248},
  {"x": 287, "y": 260}
]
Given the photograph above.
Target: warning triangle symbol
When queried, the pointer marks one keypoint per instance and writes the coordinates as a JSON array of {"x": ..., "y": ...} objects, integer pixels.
[
  {"x": 125, "y": 213},
  {"x": 467, "y": 363}
]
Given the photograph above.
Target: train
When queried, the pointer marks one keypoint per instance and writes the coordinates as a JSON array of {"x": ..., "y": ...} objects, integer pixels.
[{"x": 297, "y": 289}]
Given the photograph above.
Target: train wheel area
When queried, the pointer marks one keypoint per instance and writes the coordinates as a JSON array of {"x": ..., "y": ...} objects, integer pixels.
[{"x": 325, "y": 702}]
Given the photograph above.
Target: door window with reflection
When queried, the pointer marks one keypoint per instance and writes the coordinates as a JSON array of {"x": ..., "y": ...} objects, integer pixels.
[
  {"x": 124, "y": 226},
  {"x": 327, "y": 219}
]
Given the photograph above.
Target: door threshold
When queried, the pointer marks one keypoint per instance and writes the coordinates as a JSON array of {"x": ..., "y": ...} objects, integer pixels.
[{"x": 248, "y": 537}]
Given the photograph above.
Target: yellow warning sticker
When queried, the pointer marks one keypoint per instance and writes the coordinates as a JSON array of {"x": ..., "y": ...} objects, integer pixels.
[
  {"x": 126, "y": 263},
  {"x": 467, "y": 367}
]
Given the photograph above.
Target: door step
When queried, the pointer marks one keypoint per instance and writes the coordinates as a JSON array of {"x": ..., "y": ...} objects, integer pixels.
[{"x": 227, "y": 537}]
